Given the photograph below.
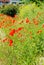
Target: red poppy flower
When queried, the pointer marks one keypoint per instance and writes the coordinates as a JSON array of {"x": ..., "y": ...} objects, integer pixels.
[
  {"x": 16, "y": 31},
  {"x": 35, "y": 21},
  {"x": 13, "y": 21},
  {"x": 27, "y": 20},
  {"x": 12, "y": 32},
  {"x": 43, "y": 26},
  {"x": 20, "y": 28},
  {"x": 0, "y": 26},
  {"x": 4, "y": 40},
  {"x": 10, "y": 42},
  {"x": 39, "y": 31}
]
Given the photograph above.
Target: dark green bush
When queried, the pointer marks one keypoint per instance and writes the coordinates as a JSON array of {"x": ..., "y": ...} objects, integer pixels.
[{"x": 10, "y": 10}]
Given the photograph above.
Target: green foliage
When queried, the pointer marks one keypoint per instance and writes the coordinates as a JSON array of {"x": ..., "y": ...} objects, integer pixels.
[
  {"x": 10, "y": 10},
  {"x": 38, "y": 2},
  {"x": 28, "y": 10}
]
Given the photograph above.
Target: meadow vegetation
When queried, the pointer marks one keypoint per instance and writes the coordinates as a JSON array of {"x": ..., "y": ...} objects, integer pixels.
[{"x": 22, "y": 36}]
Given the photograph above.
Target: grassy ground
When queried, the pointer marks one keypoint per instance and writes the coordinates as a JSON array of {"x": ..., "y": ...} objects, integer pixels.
[{"x": 22, "y": 37}]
